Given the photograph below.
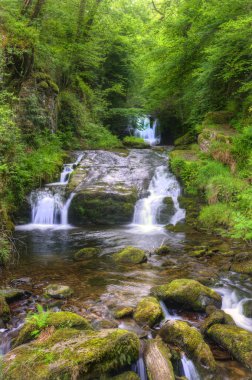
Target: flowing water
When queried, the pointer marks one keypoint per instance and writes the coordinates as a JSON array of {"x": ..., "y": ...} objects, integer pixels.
[
  {"x": 47, "y": 246},
  {"x": 189, "y": 369},
  {"x": 148, "y": 131}
]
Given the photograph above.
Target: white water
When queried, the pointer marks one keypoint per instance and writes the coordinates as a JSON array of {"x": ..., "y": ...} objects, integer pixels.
[
  {"x": 140, "y": 368},
  {"x": 190, "y": 371},
  {"x": 147, "y": 131},
  {"x": 167, "y": 315},
  {"x": 162, "y": 185}
]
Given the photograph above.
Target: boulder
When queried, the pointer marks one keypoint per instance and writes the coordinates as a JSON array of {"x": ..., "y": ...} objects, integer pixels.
[
  {"x": 4, "y": 310},
  {"x": 247, "y": 308},
  {"x": 68, "y": 353},
  {"x": 188, "y": 294},
  {"x": 162, "y": 250},
  {"x": 244, "y": 267},
  {"x": 86, "y": 253},
  {"x": 148, "y": 311},
  {"x": 235, "y": 340},
  {"x": 58, "y": 291},
  {"x": 12, "y": 294},
  {"x": 157, "y": 359},
  {"x": 131, "y": 255},
  {"x": 124, "y": 312},
  {"x": 217, "y": 316},
  {"x": 190, "y": 340}
]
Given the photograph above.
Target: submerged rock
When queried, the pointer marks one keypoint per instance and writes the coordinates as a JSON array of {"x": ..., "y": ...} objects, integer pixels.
[
  {"x": 157, "y": 358},
  {"x": 124, "y": 312},
  {"x": 189, "y": 294},
  {"x": 148, "y": 311},
  {"x": 235, "y": 340},
  {"x": 68, "y": 353},
  {"x": 4, "y": 310},
  {"x": 86, "y": 253},
  {"x": 131, "y": 255},
  {"x": 58, "y": 291},
  {"x": 189, "y": 340}
]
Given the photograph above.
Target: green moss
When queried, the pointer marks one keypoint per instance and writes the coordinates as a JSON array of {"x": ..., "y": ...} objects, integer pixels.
[
  {"x": 135, "y": 142},
  {"x": 162, "y": 250},
  {"x": 190, "y": 340},
  {"x": 12, "y": 294},
  {"x": 44, "y": 85},
  {"x": 189, "y": 294},
  {"x": 187, "y": 139},
  {"x": 86, "y": 253},
  {"x": 130, "y": 255},
  {"x": 242, "y": 267},
  {"x": 234, "y": 339},
  {"x": 4, "y": 309},
  {"x": 58, "y": 291},
  {"x": 218, "y": 316},
  {"x": 129, "y": 375},
  {"x": 67, "y": 352},
  {"x": 148, "y": 311},
  {"x": 124, "y": 312}
]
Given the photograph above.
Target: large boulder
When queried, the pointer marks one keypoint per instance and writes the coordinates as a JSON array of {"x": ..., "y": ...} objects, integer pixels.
[
  {"x": 235, "y": 340},
  {"x": 188, "y": 294},
  {"x": 148, "y": 311},
  {"x": 190, "y": 340},
  {"x": 130, "y": 255},
  {"x": 157, "y": 359},
  {"x": 69, "y": 353}
]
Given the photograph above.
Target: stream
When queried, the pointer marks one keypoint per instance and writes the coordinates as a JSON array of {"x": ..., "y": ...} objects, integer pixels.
[{"x": 47, "y": 245}]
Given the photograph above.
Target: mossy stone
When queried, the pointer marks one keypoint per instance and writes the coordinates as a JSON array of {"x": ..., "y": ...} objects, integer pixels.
[
  {"x": 247, "y": 308},
  {"x": 218, "y": 316},
  {"x": 58, "y": 291},
  {"x": 4, "y": 310},
  {"x": 130, "y": 255},
  {"x": 58, "y": 320},
  {"x": 189, "y": 294},
  {"x": 244, "y": 267},
  {"x": 157, "y": 358},
  {"x": 12, "y": 294},
  {"x": 148, "y": 311},
  {"x": 129, "y": 375},
  {"x": 189, "y": 340},
  {"x": 67, "y": 352},
  {"x": 86, "y": 253},
  {"x": 124, "y": 312},
  {"x": 235, "y": 340},
  {"x": 162, "y": 250}
]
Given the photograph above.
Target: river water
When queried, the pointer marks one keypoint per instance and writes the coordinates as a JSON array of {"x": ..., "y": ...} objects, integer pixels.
[{"x": 47, "y": 248}]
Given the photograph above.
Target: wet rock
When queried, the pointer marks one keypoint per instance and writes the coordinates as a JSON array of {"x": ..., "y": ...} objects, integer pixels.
[
  {"x": 58, "y": 291},
  {"x": 37, "y": 322},
  {"x": 66, "y": 352},
  {"x": 13, "y": 294},
  {"x": 4, "y": 310},
  {"x": 247, "y": 308},
  {"x": 21, "y": 281},
  {"x": 124, "y": 312},
  {"x": 189, "y": 340},
  {"x": 131, "y": 255},
  {"x": 166, "y": 211},
  {"x": 129, "y": 375},
  {"x": 218, "y": 316},
  {"x": 162, "y": 250},
  {"x": 157, "y": 358},
  {"x": 105, "y": 324},
  {"x": 235, "y": 340},
  {"x": 189, "y": 294},
  {"x": 86, "y": 253},
  {"x": 148, "y": 311},
  {"x": 242, "y": 267}
]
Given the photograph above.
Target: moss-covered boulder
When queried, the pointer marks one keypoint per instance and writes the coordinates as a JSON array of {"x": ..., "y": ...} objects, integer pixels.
[
  {"x": 4, "y": 310},
  {"x": 68, "y": 353},
  {"x": 124, "y": 312},
  {"x": 157, "y": 358},
  {"x": 162, "y": 250},
  {"x": 247, "y": 308},
  {"x": 235, "y": 340},
  {"x": 12, "y": 294},
  {"x": 218, "y": 316},
  {"x": 86, "y": 253},
  {"x": 148, "y": 311},
  {"x": 58, "y": 291},
  {"x": 130, "y": 255},
  {"x": 242, "y": 267},
  {"x": 189, "y": 340},
  {"x": 188, "y": 294},
  {"x": 38, "y": 322}
]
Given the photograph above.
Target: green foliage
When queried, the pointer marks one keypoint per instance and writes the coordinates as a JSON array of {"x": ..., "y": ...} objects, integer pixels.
[
  {"x": 39, "y": 320},
  {"x": 224, "y": 189},
  {"x": 217, "y": 215},
  {"x": 134, "y": 142}
]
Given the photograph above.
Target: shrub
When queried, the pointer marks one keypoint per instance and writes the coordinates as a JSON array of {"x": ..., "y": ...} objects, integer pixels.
[
  {"x": 215, "y": 216},
  {"x": 224, "y": 189}
]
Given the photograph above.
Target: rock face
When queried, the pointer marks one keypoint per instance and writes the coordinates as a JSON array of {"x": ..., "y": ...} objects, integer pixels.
[
  {"x": 131, "y": 255},
  {"x": 68, "y": 353},
  {"x": 107, "y": 185},
  {"x": 157, "y": 358},
  {"x": 234, "y": 339},
  {"x": 190, "y": 340},
  {"x": 148, "y": 311},
  {"x": 188, "y": 294}
]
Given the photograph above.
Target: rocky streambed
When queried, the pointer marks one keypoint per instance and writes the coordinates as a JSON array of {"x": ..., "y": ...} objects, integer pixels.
[{"x": 123, "y": 299}]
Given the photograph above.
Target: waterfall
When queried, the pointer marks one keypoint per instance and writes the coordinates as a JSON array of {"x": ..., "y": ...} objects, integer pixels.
[
  {"x": 147, "y": 131},
  {"x": 189, "y": 369},
  {"x": 162, "y": 185},
  {"x": 64, "y": 213}
]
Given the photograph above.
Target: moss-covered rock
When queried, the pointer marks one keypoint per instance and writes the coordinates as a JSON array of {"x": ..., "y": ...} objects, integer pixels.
[
  {"x": 189, "y": 340},
  {"x": 235, "y": 340},
  {"x": 242, "y": 267},
  {"x": 185, "y": 140},
  {"x": 4, "y": 310},
  {"x": 69, "y": 353},
  {"x": 166, "y": 211},
  {"x": 189, "y": 294},
  {"x": 162, "y": 250},
  {"x": 86, "y": 253},
  {"x": 129, "y": 375},
  {"x": 148, "y": 311},
  {"x": 247, "y": 308},
  {"x": 157, "y": 358},
  {"x": 36, "y": 323},
  {"x": 58, "y": 291},
  {"x": 130, "y": 255},
  {"x": 12, "y": 294},
  {"x": 218, "y": 316},
  {"x": 124, "y": 312}
]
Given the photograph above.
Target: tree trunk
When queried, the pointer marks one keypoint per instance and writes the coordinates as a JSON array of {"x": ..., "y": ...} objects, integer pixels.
[{"x": 37, "y": 9}]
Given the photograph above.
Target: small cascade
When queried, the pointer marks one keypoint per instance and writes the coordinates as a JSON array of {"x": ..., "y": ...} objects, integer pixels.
[
  {"x": 64, "y": 213},
  {"x": 189, "y": 369},
  {"x": 167, "y": 315},
  {"x": 147, "y": 131},
  {"x": 140, "y": 368},
  {"x": 162, "y": 185}
]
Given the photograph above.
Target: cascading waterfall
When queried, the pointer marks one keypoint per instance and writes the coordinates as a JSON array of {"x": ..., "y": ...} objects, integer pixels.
[
  {"x": 162, "y": 185},
  {"x": 189, "y": 369},
  {"x": 147, "y": 131}
]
